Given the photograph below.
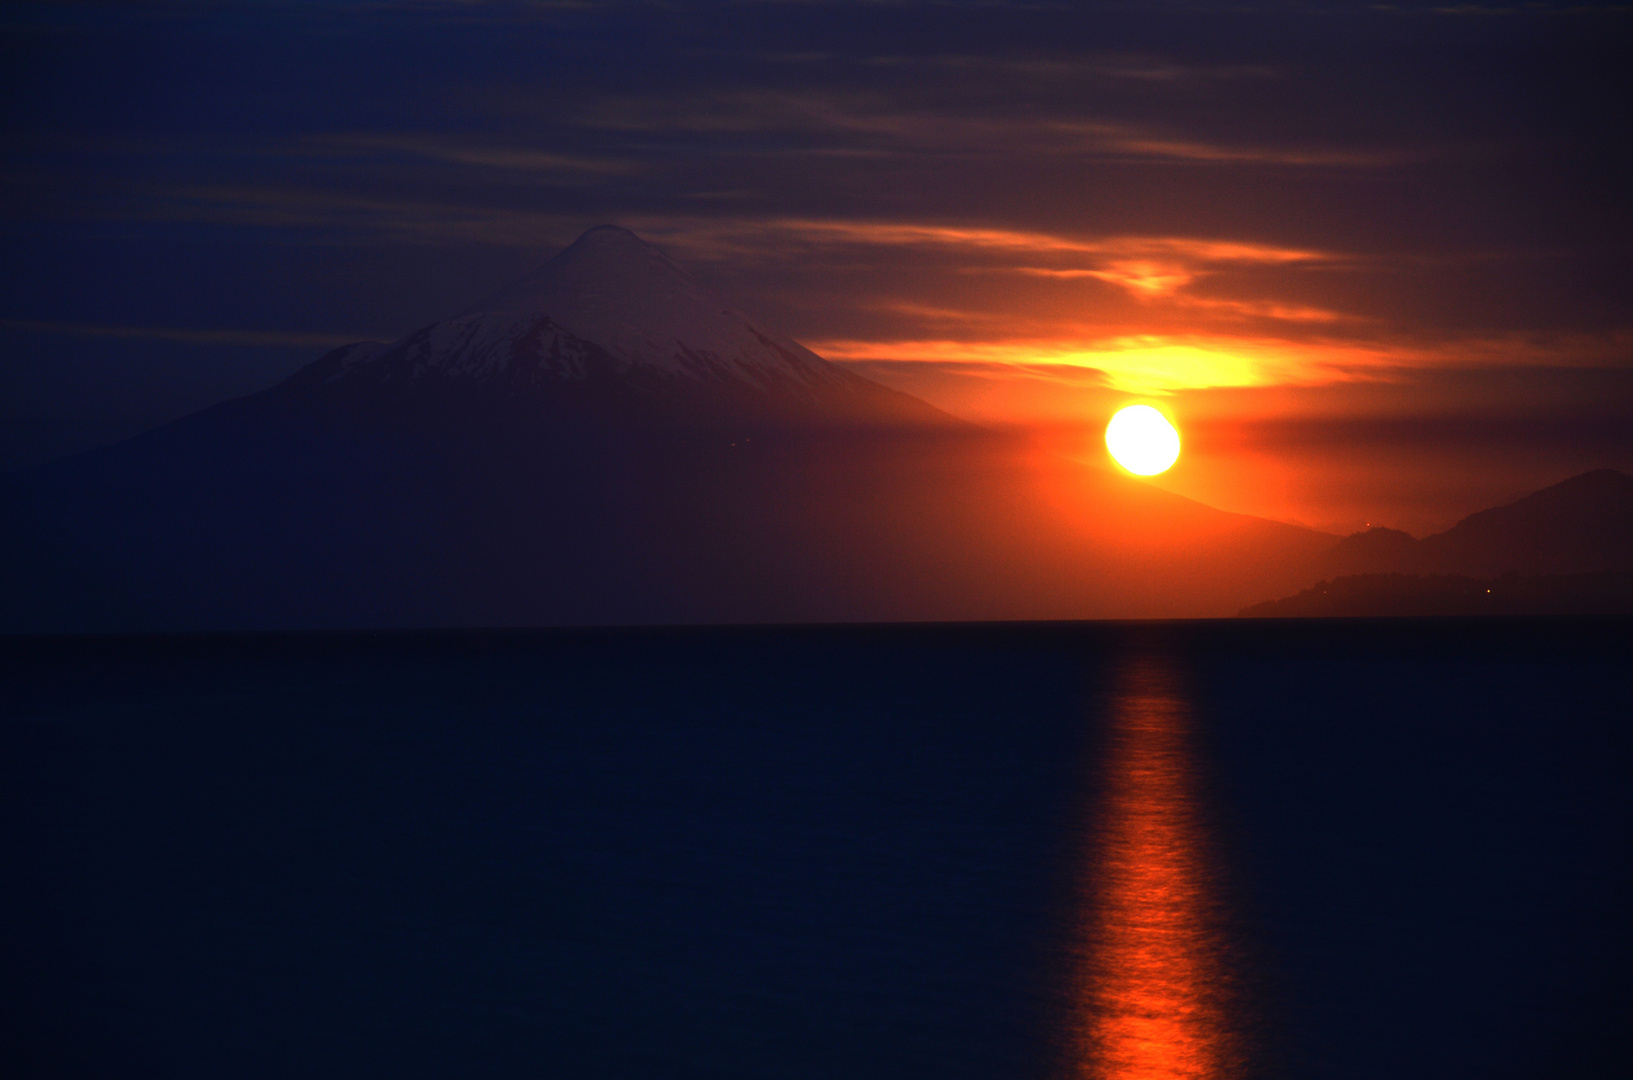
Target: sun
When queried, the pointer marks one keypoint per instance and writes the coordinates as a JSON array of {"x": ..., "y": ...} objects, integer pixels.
[{"x": 1142, "y": 440}]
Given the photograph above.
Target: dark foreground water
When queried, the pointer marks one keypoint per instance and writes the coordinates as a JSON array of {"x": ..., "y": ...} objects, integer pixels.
[{"x": 1308, "y": 849}]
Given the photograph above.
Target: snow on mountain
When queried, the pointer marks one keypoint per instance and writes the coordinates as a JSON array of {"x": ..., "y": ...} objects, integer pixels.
[{"x": 610, "y": 306}]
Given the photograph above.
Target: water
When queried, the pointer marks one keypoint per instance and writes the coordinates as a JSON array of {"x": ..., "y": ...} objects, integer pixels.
[
  {"x": 1121, "y": 851},
  {"x": 1154, "y": 995}
]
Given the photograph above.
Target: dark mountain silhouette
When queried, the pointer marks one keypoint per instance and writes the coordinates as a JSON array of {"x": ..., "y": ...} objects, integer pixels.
[
  {"x": 604, "y": 442},
  {"x": 1608, "y": 592},
  {"x": 1374, "y": 550},
  {"x": 1567, "y": 549},
  {"x": 1581, "y": 525}
]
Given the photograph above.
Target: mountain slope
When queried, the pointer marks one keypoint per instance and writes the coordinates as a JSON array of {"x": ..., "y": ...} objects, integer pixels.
[
  {"x": 1567, "y": 549},
  {"x": 1607, "y": 592},
  {"x": 1581, "y": 525},
  {"x": 652, "y": 318}
]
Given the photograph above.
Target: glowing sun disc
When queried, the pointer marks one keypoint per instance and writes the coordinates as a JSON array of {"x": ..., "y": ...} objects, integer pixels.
[{"x": 1142, "y": 440}]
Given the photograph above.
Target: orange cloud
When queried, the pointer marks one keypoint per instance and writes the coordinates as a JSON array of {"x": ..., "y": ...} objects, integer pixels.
[
  {"x": 1140, "y": 364},
  {"x": 1145, "y": 278},
  {"x": 1145, "y": 266},
  {"x": 1030, "y": 242},
  {"x": 1154, "y": 364},
  {"x": 1193, "y": 150},
  {"x": 1267, "y": 309}
]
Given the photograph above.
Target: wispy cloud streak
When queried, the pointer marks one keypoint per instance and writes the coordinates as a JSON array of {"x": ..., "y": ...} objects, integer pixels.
[{"x": 190, "y": 336}]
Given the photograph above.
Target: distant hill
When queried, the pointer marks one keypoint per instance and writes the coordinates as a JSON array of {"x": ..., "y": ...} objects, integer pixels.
[
  {"x": 1581, "y": 525},
  {"x": 1565, "y": 549},
  {"x": 1607, "y": 592},
  {"x": 605, "y": 442}
]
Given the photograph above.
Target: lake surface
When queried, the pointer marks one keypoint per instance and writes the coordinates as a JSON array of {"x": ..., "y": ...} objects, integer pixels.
[{"x": 1215, "y": 849}]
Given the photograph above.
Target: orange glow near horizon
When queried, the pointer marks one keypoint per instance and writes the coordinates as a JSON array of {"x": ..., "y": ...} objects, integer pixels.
[
  {"x": 1149, "y": 992},
  {"x": 1311, "y": 390}
]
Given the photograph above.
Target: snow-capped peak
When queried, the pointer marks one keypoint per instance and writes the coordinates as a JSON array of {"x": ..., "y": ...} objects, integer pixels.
[
  {"x": 609, "y": 306},
  {"x": 616, "y": 291}
]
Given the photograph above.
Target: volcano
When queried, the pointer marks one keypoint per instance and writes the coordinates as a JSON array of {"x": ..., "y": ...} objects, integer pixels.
[
  {"x": 613, "y": 328},
  {"x": 606, "y": 441}
]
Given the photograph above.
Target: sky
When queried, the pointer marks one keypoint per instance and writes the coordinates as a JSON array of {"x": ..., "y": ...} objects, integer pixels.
[{"x": 1374, "y": 260}]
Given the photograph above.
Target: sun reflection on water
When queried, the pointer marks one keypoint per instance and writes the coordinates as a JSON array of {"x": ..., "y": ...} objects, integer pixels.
[{"x": 1151, "y": 999}]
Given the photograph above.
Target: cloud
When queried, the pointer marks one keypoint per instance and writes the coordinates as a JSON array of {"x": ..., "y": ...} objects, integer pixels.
[
  {"x": 200, "y": 337},
  {"x": 1157, "y": 148},
  {"x": 1155, "y": 364},
  {"x": 507, "y": 157},
  {"x": 1136, "y": 364},
  {"x": 1139, "y": 278},
  {"x": 1139, "y": 263},
  {"x": 326, "y": 217},
  {"x": 787, "y": 120},
  {"x": 1145, "y": 266},
  {"x": 1267, "y": 309}
]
